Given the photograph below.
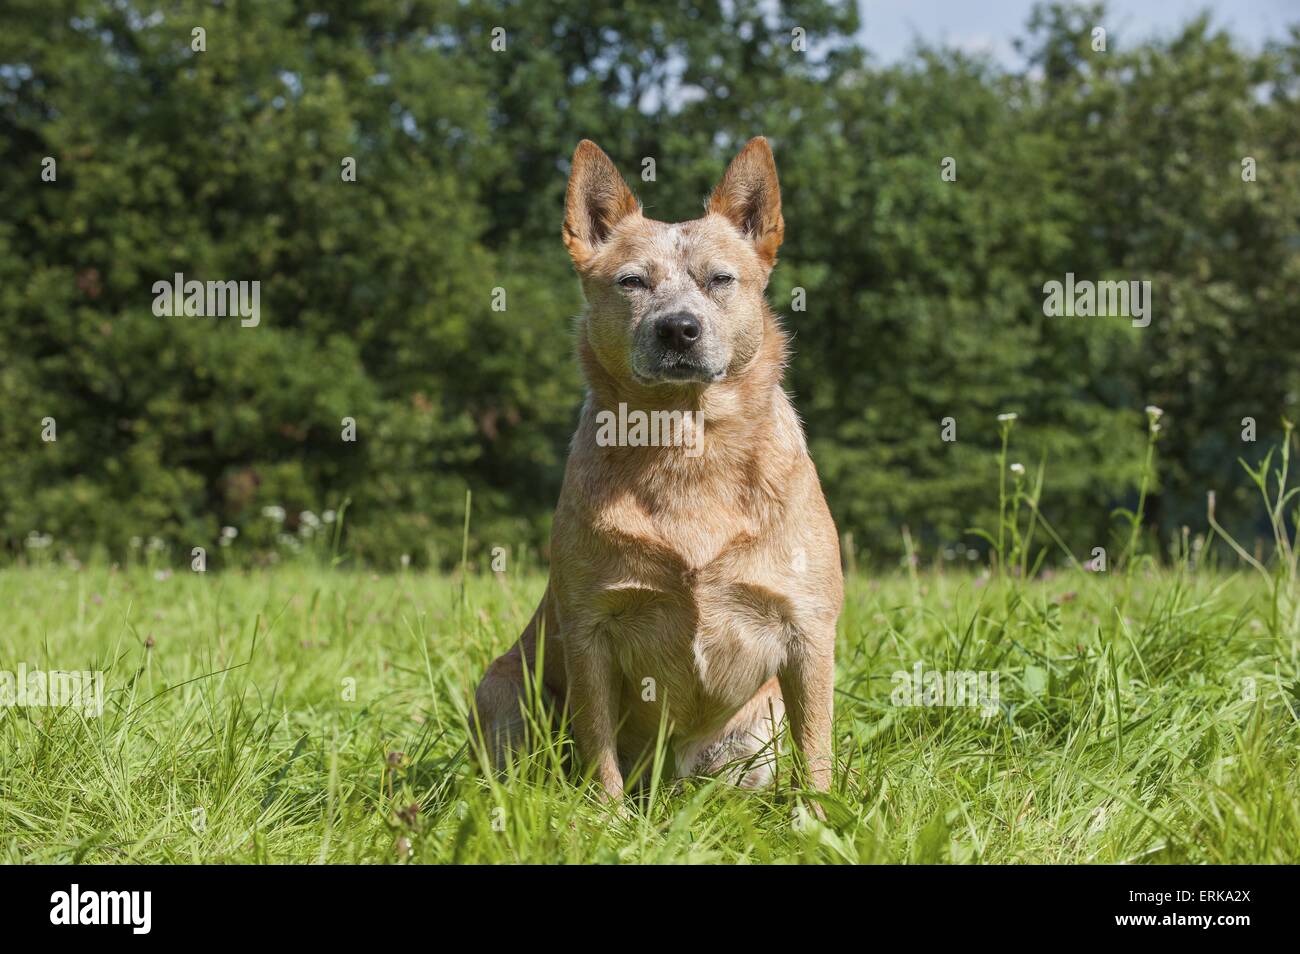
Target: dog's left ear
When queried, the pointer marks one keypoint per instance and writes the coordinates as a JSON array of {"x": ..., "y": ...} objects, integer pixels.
[
  {"x": 750, "y": 197},
  {"x": 597, "y": 200}
]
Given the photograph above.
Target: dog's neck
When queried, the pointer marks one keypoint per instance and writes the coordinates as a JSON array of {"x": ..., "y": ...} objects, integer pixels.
[{"x": 748, "y": 425}]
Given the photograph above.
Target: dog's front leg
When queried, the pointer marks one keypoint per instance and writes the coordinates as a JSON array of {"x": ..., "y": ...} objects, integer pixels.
[
  {"x": 593, "y": 695},
  {"x": 808, "y": 686}
]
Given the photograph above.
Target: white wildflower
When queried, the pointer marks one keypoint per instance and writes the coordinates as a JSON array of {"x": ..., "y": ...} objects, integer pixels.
[{"x": 37, "y": 540}]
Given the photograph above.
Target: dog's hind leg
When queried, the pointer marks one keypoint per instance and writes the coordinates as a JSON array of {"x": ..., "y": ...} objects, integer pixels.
[
  {"x": 497, "y": 726},
  {"x": 514, "y": 692}
]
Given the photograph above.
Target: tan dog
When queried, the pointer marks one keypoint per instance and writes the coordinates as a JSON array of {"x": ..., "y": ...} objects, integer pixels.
[{"x": 702, "y": 579}]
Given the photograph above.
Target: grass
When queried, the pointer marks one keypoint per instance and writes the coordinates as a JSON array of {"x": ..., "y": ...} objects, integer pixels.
[{"x": 316, "y": 715}]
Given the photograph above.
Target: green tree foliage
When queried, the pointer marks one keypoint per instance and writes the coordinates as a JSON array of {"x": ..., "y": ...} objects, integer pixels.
[{"x": 923, "y": 296}]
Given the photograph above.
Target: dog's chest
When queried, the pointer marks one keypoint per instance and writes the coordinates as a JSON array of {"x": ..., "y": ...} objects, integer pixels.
[{"x": 701, "y": 641}]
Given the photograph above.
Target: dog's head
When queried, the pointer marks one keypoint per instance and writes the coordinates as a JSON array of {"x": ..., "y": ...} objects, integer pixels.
[{"x": 674, "y": 304}]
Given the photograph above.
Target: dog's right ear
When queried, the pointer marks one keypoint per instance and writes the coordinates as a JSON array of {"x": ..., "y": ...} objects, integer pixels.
[
  {"x": 750, "y": 196},
  {"x": 598, "y": 199}
]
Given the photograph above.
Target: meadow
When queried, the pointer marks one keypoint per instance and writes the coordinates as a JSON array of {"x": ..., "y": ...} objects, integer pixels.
[
  {"x": 385, "y": 190},
  {"x": 304, "y": 713}
]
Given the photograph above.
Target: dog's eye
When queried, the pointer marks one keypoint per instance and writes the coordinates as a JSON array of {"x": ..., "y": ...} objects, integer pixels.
[
  {"x": 721, "y": 280},
  {"x": 632, "y": 281}
]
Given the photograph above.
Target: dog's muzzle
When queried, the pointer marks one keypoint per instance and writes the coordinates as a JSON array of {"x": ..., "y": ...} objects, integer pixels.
[{"x": 677, "y": 350}]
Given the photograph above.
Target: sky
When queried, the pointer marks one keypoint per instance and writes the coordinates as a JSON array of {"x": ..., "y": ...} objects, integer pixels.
[{"x": 889, "y": 26}]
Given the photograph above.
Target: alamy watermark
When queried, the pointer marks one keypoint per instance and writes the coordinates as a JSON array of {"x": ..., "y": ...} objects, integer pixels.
[
  {"x": 1086, "y": 299},
  {"x": 651, "y": 429},
  {"x": 75, "y": 906},
  {"x": 196, "y": 299},
  {"x": 947, "y": 688},
  {"x": 80, "y": 689}
]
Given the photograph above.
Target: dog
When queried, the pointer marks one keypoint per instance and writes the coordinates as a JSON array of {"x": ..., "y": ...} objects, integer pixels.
[{"x": 696, "y": 585}]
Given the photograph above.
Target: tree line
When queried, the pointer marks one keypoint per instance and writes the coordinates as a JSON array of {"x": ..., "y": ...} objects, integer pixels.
[{"x": 392, "y": 175}]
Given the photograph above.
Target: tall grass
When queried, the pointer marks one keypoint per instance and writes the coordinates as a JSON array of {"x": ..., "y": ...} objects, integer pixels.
[
  {"x": 1164, "y": 734},
  {"x": 312, "y": 713}
]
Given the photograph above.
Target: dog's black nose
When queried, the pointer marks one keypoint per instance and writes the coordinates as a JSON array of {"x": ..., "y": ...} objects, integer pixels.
[{"x": 679, "y": 331}]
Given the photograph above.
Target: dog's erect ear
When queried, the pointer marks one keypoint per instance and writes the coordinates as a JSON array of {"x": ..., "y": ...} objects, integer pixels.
[
  {"x": 750, "y": 197},
  {"x": 598, "y": 198}
]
